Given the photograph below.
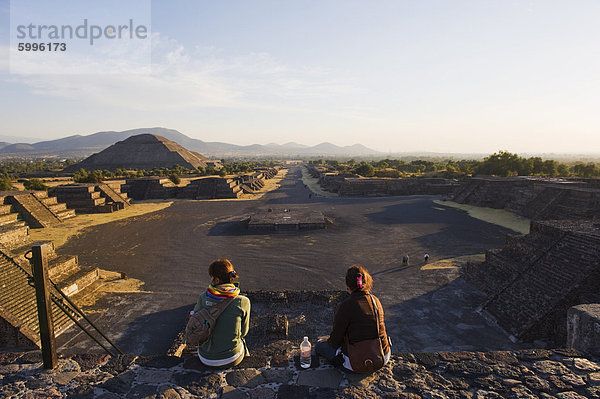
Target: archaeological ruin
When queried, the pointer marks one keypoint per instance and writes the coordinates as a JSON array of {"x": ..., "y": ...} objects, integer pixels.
[
  {"x": 286, "y": 219},
  {"x": 534, "y": 198},
  {"x": 143, "y": 151},
  {"x": 349, "y": 185},
  {"x": 492, "y": 329}
]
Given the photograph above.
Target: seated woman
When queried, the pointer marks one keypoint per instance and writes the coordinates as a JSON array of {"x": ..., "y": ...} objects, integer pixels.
[
  {"x": 226, "y": 346},
  {"x": 355, "y": 321}
]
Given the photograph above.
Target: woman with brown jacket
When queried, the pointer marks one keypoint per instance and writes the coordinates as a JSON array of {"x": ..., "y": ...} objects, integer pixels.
[{"x": 359, "y": 318}]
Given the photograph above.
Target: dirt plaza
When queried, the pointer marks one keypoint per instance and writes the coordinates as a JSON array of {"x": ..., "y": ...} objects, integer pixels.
[{"x": 165, "y": 255}]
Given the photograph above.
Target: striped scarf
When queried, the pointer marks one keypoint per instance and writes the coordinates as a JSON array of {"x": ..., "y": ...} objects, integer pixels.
[{"x": 222, "y": 291}]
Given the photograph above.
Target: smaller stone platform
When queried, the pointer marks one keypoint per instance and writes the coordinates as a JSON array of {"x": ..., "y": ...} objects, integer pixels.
[{"x": 286, "y": 219}]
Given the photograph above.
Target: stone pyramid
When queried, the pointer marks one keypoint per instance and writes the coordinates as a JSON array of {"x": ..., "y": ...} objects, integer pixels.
[{"x": 143, "y": 151}]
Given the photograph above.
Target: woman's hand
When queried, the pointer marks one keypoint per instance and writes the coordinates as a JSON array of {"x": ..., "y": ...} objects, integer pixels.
[{"x": 323, "y": 338}]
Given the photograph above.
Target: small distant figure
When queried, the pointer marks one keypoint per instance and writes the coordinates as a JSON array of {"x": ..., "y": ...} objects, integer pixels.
[
  {"x": 405, "y": 260},
  {"x": 309, "y": 196},
  {"x": 426, "y": 258}
]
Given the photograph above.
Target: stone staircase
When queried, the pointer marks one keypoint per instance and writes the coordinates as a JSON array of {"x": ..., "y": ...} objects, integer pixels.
[
  {"x": 529, "y": 290},
  {"x": 59, "y": 209},
  {"x": 464, "y": 191},
  {"x": 13, "y": 230},
  {"x": 18, "y": 303},
  {"x": 33, "y": 207},
  {"x": 112, "y": 192},
  {"x": 18, "y": 311},
  {"x": 92, "y": 198},
  {"x": 542, "y": 202}
]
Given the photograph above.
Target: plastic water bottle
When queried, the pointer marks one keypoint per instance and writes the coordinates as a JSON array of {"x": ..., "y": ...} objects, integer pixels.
[{"x": 305, "y": 349}]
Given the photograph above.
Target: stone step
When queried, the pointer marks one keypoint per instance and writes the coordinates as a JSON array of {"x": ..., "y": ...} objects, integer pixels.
[
  {"x": 61, "y": 267},
  {"x": 68, "y": 196},
  {"x": 86, "y": 203},
  {"x": 79, "y": 281},
  {"x": 12, "y": 235},
  {"x": 8, "y": 218},
  {"x": 57, "y": 207},
  {"x": 73, "y": 190},
  {"x": 41, "y": 195},
  {"x": 66, "y": 214},
  {"x": 49, "y": 201},
  {"x": 5, "y": 209}
]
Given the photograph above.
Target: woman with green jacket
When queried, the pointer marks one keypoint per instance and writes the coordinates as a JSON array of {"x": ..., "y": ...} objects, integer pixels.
[{"x": 225, "y": 347}]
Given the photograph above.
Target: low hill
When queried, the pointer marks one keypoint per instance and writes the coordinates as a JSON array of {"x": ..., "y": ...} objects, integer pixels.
[{"x": 79, "y": 146}]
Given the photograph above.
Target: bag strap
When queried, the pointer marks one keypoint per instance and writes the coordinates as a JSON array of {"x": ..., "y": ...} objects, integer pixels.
[
  {"x": 376, "y": 314},
  {"x": 223, "y": 305}
]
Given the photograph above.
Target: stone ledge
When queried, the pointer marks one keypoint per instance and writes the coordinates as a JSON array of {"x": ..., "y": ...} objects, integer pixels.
[{"x": 562, "y": 373}]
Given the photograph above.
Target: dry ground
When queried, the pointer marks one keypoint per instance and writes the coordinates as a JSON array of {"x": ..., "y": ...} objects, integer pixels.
[{"x": 427, "y": 307}]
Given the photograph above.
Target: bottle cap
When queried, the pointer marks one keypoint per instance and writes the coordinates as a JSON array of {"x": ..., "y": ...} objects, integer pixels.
[{"x": 306, "y": 338}]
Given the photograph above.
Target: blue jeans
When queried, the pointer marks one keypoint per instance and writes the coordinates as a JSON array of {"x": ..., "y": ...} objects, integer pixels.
[{"x": 329, "y": 353}]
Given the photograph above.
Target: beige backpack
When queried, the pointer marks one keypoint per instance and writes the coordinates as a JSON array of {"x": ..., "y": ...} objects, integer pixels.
[{"x": 201, "y": 323}]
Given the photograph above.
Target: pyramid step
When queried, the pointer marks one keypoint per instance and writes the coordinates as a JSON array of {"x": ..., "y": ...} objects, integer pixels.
[
  {"x": 61, "y": 266},
  {"x": 79, "y": 281},
  {"x": 5, "y": 209},
  {"x": 41, "y": 195},
  {"x": 86, "y": 203},
  {"x": 56, "y": 208},
  {"x": 13, "y": 235},
  {"x": 66, "y": 214},
  {"x": 72, "y": 190},
  {"x": 8, "y": 218},
  {"x": 48, "y": 201}
]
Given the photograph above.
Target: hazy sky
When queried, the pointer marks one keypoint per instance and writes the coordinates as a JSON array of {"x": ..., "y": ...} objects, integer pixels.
[{"x": 445, "y": 76}]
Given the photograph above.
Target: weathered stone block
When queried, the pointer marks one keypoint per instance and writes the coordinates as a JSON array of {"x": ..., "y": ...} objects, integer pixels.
[{"x": 583, "y": 328}]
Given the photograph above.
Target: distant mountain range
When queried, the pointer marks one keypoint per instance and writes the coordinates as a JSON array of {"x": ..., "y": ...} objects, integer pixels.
[{"x": 79, "y": 146}]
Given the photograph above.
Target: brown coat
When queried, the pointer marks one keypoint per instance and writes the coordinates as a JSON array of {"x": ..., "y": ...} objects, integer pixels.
[{"x": 355, "y": 319}]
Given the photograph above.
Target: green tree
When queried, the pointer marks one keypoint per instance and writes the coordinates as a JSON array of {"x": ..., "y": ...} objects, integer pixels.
[
  {"x": 365, "y": 169},
  {"x": 563, "y": 170},
  {"x": 550, "y": 168}
]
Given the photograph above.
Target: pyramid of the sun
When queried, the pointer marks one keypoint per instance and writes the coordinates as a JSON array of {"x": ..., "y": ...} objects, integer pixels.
[{"x": 144, "y": 151}]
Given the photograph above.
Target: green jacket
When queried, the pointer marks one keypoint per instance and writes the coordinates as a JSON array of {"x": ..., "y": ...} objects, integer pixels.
[{"x": 231, "y": 327}]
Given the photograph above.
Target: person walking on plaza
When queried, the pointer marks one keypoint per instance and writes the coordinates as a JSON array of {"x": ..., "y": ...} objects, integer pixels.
[
  {"x": 226, "y": 346},
  {"x": 358, "y": 341},
  {"x": 426, "y": 258}
]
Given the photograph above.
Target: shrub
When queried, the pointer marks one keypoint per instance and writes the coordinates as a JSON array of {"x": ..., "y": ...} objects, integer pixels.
[
  {"x": 35, "y": 184},
  {"x": 84, "y": 176},
  {"x": 5, "y": 184},
  {"x": 365, "y": 169},
  {"x": 174, "y": 177}
]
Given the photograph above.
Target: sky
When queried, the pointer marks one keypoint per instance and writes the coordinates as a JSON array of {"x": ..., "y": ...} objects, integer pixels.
[{"x": 443, "y": 76}]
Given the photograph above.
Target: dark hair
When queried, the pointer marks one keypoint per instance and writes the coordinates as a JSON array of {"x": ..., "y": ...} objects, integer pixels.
[
  {"x": 358, "y": 273},
  {"x": 223, "y": 270}
]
